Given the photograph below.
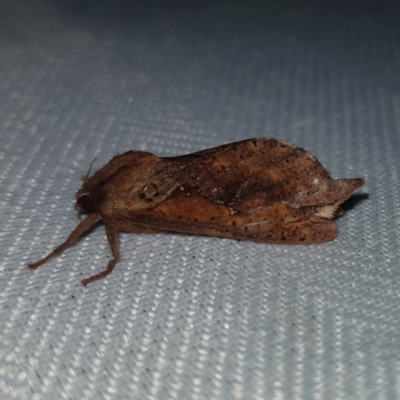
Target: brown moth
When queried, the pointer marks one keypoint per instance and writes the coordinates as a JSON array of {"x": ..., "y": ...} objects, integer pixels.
[{"x": 264, "y": 190}]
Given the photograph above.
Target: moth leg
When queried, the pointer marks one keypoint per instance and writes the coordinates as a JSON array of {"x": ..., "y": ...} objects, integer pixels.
[
  {"x": 112, "y": 237},
  {"x": 85, "y": 225}
]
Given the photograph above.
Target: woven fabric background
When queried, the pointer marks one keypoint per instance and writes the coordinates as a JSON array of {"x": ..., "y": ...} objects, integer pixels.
[{"x": 191, "y": 317}]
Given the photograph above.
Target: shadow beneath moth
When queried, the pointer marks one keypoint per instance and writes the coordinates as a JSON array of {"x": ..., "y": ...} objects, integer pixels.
[{"x": 263, "y": 190}]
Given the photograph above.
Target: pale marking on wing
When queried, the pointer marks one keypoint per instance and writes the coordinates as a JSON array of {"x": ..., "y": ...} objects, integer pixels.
[{"x": 327, "y": 212}]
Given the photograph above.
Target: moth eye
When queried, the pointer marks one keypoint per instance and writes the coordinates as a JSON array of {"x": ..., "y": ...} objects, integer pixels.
[
  {"x": 85, "y": 203},
  {"x": 316, "y": 181}
]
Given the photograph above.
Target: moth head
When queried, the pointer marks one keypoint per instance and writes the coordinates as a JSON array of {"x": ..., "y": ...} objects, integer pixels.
[
  {"x": 83, "y": 201},
  {"x": 121, "y": 174}
]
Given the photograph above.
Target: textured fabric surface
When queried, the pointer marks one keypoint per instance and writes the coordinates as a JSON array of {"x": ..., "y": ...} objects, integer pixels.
[{"x": 191, "y": 317}]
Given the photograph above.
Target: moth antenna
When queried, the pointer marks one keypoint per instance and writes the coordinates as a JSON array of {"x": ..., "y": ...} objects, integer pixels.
[
  {"x": 85, "y": 225},
  {"x": 86, "y": 177}
]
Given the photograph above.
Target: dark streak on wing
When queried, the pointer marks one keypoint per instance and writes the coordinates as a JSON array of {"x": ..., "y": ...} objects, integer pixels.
[{"x": 228, "y": 176}]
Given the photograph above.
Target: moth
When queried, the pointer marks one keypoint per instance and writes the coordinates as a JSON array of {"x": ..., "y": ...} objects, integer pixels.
[{"x": 263, "y": 190}]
